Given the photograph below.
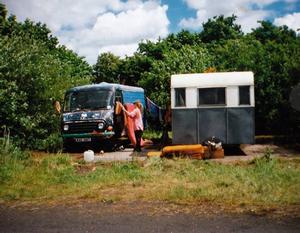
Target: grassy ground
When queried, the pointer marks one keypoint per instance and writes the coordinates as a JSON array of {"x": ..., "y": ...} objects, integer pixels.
[
  {"x": 154, "y": 134},
  {"x": 264, "y": 182}
]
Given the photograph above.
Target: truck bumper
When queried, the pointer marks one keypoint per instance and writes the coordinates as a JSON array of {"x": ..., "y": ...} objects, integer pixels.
[{"x": 88, "y": 137}]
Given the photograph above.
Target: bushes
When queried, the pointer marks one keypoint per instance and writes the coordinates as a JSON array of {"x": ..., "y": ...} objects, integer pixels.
[
  {"x": 34, "y": 72},
  {"x": 53, "y": 143},
  {"x": 12, "y": 158}
]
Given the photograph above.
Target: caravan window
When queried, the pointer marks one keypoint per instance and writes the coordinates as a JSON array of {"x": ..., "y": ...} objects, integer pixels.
[
  {"x": 179, "y": 97},
  {"x": 211, "y": 96},
  {"x": 244, "y": 95}
]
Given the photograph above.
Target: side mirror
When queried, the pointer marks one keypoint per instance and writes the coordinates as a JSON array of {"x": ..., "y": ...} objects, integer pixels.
[{"x": 57, "y": 107}]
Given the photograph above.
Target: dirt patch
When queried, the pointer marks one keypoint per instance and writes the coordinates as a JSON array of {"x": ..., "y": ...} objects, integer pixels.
[
  {"x": 156, "y": 208},
  {"x": 246, "y": 153},
  {"x": 276, "y": 150},
  {"x": 232, "y": 154},
  {"x": 84, "y": 168}
]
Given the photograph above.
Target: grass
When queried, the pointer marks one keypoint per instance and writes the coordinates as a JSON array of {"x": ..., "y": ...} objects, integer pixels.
[
  {"x": 266, "y": 181},
  {"x": 263, "y": 182},
  {"x": 154, "y": 134}
]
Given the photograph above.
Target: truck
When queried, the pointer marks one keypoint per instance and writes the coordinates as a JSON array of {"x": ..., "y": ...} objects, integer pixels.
[{"x": 89, "y": 113}]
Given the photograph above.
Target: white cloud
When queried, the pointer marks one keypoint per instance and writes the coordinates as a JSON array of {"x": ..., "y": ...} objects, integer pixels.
[
  {"x": 290, "y": 20},
  {"x": 250, "y": 20},
  {"x": 94, "y": 26},
  {"x": 122, "y": 50},
  {"x": 247, "y": 11}
]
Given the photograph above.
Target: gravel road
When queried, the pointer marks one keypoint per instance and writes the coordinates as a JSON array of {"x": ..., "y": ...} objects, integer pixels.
[{"x": 100, "y": 217}]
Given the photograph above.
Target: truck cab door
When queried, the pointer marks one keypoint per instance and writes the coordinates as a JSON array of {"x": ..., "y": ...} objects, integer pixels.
[{"x": 119, "y": 118}]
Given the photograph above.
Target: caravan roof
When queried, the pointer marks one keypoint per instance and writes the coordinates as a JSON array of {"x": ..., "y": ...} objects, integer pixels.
[{"x": 221, "y": 79}]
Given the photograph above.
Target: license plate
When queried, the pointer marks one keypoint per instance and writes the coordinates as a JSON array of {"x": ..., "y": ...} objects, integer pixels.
[{"x": 83, "y": 139}]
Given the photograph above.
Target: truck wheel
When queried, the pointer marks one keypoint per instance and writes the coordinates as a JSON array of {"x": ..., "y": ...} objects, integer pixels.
[
  {"x": 67, "y": 147},
  {"x": 109, "y": 145}
]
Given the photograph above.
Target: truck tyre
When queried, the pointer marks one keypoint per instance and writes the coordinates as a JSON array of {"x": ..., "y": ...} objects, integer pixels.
[{"x": 67, "y": 146}]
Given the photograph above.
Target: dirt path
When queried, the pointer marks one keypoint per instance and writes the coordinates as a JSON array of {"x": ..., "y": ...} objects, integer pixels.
[
  {"x": 100, "y": 217},
  {"x": 232, "y": 154}
]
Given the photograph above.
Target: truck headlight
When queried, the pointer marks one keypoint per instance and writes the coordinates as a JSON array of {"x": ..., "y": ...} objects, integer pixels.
[
  {"x": 96, "y": 116},
  {"x": 101, "y": 125},
  {"x": 66, "y": 127}
]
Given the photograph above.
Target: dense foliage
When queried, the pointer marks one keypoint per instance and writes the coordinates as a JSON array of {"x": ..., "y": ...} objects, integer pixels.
[
  {"x": 34, "y": 72},
  {"x": 271, "y": 52}
]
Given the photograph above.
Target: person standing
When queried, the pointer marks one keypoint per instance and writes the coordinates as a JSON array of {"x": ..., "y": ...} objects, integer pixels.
[{"x": 138, "y": 125}]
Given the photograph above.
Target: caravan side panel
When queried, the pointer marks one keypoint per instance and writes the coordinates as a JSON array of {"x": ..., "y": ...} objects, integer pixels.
[
  {"x": 240, "y": 126},
  {"x": 230, "y": 125},
  {"x": 212, "y": 122},
  {"x": 184, "y": 126}
]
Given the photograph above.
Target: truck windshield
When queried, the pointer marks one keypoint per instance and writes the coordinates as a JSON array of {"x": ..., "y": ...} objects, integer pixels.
[{"x": 87, "y": 100}]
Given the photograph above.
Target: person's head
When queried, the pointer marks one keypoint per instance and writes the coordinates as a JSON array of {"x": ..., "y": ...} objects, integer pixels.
[{"x": 138, "y": 104}]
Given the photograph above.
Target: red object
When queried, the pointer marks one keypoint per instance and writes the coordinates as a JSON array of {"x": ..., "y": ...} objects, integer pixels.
[{"x": 130, "y": 125}]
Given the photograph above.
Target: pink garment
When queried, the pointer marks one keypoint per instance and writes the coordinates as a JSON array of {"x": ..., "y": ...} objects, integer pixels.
[
  {"x": 137, "y": 119},
  {"x": 129, "y": 123}
]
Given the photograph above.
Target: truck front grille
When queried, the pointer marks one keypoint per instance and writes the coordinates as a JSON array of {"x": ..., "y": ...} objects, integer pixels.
[{"x": 82, "y": 127}]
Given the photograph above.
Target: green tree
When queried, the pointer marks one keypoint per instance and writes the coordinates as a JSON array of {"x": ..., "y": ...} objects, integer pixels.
[
  {"x": 107, "y": 68},
  {"x": 282, "y": 50},
  {"x": 220, "y": 28},
  {"x": 188, "y": 59},
  {"x": 154, "y": 50},
  {"x": 3, "y": 13},
  {"x": 184, "y": 37},
  {"x": 35, "y": 71},
  {"x": 269, "y": 32}
]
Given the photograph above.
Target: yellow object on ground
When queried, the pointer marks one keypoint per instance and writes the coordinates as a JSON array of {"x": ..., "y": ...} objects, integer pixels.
[
  {"x": 218, "y": 153},
  {"x": 195, "y": 151},
  {"x": 154, "y": 154},
  {"x": 178, "y": 148}
]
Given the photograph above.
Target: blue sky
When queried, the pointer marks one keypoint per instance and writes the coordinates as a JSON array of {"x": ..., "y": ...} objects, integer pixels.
[
  {"x": 91, "y": 27},
  {"x": 177, "y": 9},
  {"x": 266, "y": 9}
]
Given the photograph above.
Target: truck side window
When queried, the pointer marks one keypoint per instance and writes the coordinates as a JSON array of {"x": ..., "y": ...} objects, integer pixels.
[
  {"x": 118, "y": 96},
  {"x": 244, "y": 95},
  {"x": 211, "y": 96},
  {"x": 179, "y": 97}
]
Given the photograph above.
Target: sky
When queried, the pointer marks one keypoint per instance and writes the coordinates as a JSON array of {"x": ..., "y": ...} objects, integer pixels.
[{"x": 91, "y": 27}]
